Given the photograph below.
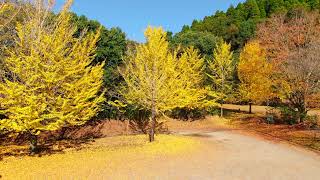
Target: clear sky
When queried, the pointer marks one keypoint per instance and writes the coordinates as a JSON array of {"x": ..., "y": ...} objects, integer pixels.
[{"x": 133, "y": 16}]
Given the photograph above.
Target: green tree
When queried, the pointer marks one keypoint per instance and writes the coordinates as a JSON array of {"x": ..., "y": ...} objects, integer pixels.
[
  {"x": 313, "y": 4},
  {"x": 252, "y": 9},
  {"x": 238, "y": 24},
  {"x": 203, "y": 41},
  {"x": 275, "y": 6},
  {"x": 247, "y": 31},
  {"x": 111, "y": 48},
  {"x": 262, "y": 7}
]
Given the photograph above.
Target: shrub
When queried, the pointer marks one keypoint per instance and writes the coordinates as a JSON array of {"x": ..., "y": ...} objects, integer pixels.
[
  {"x": 188, "y": 114},
  {"x": 214, "y": 111},
  {"x": 290, "y": 116},
  {"x": 312, "y": 121}
]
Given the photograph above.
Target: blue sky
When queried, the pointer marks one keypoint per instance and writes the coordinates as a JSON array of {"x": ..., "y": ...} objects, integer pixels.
[{"x": 133, "y": 16}]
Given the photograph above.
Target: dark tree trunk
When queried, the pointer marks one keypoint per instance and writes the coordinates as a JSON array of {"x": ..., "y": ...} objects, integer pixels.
[
  {"x": 33, "y": 140},
  {"x": 250, "y": 108},
  {"x": 302, "y": 114},
  {"x": 62, "y": 133},
  {"x": 221, "y": 113},
  {"x": 298, "y": 103}
]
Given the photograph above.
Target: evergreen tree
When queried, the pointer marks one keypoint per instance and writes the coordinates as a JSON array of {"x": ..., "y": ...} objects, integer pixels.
[
  {"x": 262, "y": 7},
  {"x": 275, "y": 6},
  {"x": 252, "y": 9},
  {"x": 111, "y": 48},
  {"x": 314, "y": 4},
  {"x": 203, "y": 41}
]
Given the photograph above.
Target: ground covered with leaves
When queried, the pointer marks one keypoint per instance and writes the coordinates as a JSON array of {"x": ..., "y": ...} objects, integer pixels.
[{"x": 104, "y": 157}]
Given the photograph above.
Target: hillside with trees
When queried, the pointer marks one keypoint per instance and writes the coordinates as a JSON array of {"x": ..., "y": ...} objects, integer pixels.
[{"x": 239, "y": 23}]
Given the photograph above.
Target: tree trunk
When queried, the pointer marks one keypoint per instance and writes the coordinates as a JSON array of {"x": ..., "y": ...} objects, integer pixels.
[
  {"x": 298, "y": 117},
  {"x": 33, "y": 140},
  {"x": 153, "y": 124},
  {"x": 302, "y": 114},
  {"x": 153, "y": 105},
  {"x": 62, "y": 133},
  {"x": 222, "y": 86},
  {"x": 250, "y": 108},
  {"x": 221, "y": 115}
]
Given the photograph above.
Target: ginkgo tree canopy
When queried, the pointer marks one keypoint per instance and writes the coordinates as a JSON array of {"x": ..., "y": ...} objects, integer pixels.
[
  {"x": 51, "y": 84},
  {"x": 156, "y": 74}
]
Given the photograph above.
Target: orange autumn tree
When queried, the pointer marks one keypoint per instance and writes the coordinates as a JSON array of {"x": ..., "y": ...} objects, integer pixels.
[
  {"x": 292, "y": 43},
  {"x": 255, "y": 74}
]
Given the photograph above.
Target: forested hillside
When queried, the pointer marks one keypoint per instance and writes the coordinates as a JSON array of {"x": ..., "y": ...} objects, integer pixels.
[{"x": 238, "y": 24}]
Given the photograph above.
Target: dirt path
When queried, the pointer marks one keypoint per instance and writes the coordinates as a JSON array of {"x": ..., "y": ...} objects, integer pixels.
[
  {"x": 229, "y": 155},
  {"x": 243, "y": 157}
]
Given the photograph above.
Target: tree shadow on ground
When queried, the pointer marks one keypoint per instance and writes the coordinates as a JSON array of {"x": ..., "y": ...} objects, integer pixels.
[
  {"x": 50, "y": 143},
  {"x": 231, "y": 112},
  {"x": 46, "y": 149},
  {"x": 200, "y": 135}
]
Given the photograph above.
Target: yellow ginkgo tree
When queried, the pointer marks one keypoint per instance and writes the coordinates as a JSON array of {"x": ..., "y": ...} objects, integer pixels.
[
  {"x": 159, "y": 80},
  {"x": 7, "y": 13},
  {"x": 10, "y": 12},
  {"x": 255, "y": 74},
  {"x": 52, "y": 84},
  {"x": 221, "y": 70}
]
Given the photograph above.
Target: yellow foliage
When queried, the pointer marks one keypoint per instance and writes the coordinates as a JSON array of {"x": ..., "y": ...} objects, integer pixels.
[
  {"x": 7, "y": 11},
  {"x": 8, "y": 14},
  {"x": 255, "y": 74},
  {"x": 51, "y": 83},
  {"x": 221, "y": 68},
  {"x": 107, "y": 155},
  {"x": 157, "y": 78}
]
